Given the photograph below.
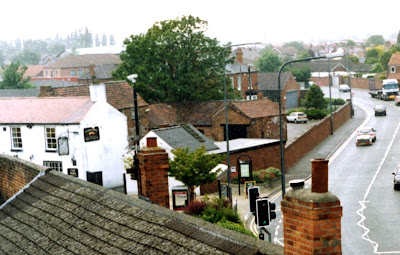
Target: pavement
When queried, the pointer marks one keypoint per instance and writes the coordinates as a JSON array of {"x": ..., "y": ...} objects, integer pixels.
[{"x": 302, "y": 170}]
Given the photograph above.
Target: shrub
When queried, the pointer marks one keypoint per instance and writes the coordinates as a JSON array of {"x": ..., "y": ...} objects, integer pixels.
[
  {"x": 195, "y": 207},
  {"x": 316, "y": 114},
  {"x": 336, "y": 101},
  {"x": 295, "y": 110},
  {"x": 235, "y": 227},
  {"x": 266, "y": 175}
]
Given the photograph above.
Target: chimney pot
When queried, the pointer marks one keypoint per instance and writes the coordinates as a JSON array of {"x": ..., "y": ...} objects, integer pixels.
[
  {"x": 151, "y": 141},
  {"x": 319, "y": 175}
]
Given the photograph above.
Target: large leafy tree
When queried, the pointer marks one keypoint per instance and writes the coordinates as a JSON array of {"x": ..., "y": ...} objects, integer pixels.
[
  {"x": 302, "y": 74},
  {"x": 13, "y": 77},
  {"x": 193, "y": 168},
  {"x": 375, "y": 40},
  {"x": 315, "y": 98},
  {"x": 299, "y": 45},
  {"x": 268, "y": 61},
  {"x": 176, "y": 62}
]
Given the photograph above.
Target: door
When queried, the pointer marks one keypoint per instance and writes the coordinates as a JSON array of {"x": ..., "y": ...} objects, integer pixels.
[{"x": 292, "y": 100}]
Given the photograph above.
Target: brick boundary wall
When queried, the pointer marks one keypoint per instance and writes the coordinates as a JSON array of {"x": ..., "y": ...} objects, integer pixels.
[
  {"x": 15, "y": 174},
  {"x": 314, "y": 136}
]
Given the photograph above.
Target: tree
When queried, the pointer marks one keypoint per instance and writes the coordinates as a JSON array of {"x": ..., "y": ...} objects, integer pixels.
[
  {"x": 193, "y": 168},
  {"x": 56, "y": 47},
  {"x": 315, "y": 98},
  {"x": 303, "y": 54},
  {"x": 13, "y": 77},
  {"x": 27, "y": 57},
  {"x": 104, "y": 40},
  {"x": 373, "y": 55},
  {"x": 375, "y": 40},
  {"x": 176, "y": 62},
  {"x": 352, "y": 58},
  {"x": 299, "y": 45},
  {"x": 97, "y": 40},
  {"x": 112, "y": 40},
  {"x": 268, "y": 61},
  {"x": 398, "y": 38},
  {"x": 301, "y": 74}
]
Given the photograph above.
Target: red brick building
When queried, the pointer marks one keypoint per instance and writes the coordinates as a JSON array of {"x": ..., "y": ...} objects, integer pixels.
[
  {"x": 247, "y": 119},
  {"x": 393, "y": 68}
]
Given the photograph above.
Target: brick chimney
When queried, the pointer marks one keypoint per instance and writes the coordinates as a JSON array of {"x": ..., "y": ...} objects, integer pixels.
[
  {"x": 154, "y": 165},
  {"x": 312, "y": 217},
  {"x": 239, "y": 55}
]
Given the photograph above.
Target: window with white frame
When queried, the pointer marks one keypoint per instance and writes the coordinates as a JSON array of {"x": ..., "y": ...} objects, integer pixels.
[
  {"x": 392, "y": 69},
  {"x": 16, "y": 138},
  {"x": 51, "y": 141},
  {"x": 55, "y": 165},
  {"x": 79, "y": 72},
  {"x": 72, "y": 72},
  {"x": 239, "y": 82}
]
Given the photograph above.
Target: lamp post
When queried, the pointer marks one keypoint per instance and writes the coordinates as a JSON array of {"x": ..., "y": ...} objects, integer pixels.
[
  {"x": 349, "y": 81},
  {"x": 228, "y": 159},
  {"x": 328, "y": 56},
  {"x": 330, "y": 93}
]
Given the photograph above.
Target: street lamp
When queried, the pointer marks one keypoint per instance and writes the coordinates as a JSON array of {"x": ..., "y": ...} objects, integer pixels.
[
  {"x": 229, "y": 188},
  {"x": 328, "y": 56}
]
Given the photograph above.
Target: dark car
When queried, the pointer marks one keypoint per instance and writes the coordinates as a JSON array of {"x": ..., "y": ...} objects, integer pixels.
[
  {"x": 380, "y": 110},
  {"x": 396, "y": 179}
]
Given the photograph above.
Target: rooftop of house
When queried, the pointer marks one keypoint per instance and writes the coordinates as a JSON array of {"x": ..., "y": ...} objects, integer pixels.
[
  {"x": 269, "y": 81},
  {"x": 53, "y": 82},
  {"x": 395, "y": 59},
  {"x": 202, "y": 113},
  {"x": 61, "y": 214},
  {"x": 33, "y": 70},
  {"x": 45, "y": 110},
  {"x": 185, "y": 136},
  {"x": 237, "y": 145},
  {"x": 323, "y": 65},
  {"x": 102, "y": 71},
  {"x": 74, "y": 61}
]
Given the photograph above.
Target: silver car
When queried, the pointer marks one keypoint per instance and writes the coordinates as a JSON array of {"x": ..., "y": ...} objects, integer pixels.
[
  {"x": 396, "y": 178},
  {"x": 297, "y": 117}
]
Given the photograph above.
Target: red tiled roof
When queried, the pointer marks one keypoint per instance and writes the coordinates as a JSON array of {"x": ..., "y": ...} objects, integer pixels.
[
  {"x": 258, "y": 108},
  {"x": 395, "y": 59},
  {"x": 199, "y": 113},
  {"x": 161, "y": 115},
  {"x": 45, "y": 110},
  {"x": 33, "y": 70},
  {"x": 119, "y": 94}
]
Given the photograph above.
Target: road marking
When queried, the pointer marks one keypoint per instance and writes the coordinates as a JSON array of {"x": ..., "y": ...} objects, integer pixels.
[{"x": 360, "y": 212}]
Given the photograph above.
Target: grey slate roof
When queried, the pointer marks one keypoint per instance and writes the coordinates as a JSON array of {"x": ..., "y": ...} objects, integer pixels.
[
  {"x": 322, "y": 65},
  {"x": 237, "y": 68},
  {"x": 60, "y": 214},
  {"x": 53, "y": 83},
  {"x": 101, "y": 71},
  {"x": 269, "y": 81},
  {"x": 19, "y": 92},
  {"x": 185, "y": 136}
]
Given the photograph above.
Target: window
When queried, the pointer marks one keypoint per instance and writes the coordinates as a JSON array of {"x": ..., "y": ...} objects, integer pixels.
[
  {"x": 51, "y": 141},
  {"x": 16, "y": 143},
  {"x": 133, "y": 113},
  {"x": 55, "y": 165},
  {"x": 239, "y": 82},
  {"x": 79, "y": 72},
  {"x": 72, "y": 72},
  {"x": 392, "y": 69}
]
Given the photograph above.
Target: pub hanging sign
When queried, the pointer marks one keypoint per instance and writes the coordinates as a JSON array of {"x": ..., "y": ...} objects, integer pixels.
[{"x": 91, "y": 134}]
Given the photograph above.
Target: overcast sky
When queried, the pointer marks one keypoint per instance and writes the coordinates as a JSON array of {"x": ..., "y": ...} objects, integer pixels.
[{"x": 228, "y": 21}]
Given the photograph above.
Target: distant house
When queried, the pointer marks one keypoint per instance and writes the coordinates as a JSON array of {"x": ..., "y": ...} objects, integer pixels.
[
  {"x": 286, "y": 52},
  {"x": 239, "y": 75},
  {"x": 247, "y": 119},
  {"x": 393, "y": 68},
  {"x": 78, "y": 65},
  {"x": 268, "y": 85},
  {"x": 34, "y": 71},
  {"x": 80, "y": 136}
]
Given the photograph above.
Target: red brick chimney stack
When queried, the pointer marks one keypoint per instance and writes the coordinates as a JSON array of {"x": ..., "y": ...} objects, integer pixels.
[
  {"x": 154, "y": 165},
  {"x": 239, "y": 55},
  {"x": 312, "y": 217}
]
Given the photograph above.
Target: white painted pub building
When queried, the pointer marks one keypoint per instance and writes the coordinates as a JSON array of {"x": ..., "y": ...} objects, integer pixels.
[{"x": 79, "y": 136}]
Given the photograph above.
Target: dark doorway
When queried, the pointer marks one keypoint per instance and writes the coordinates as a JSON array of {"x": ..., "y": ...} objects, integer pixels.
[{"x": 236, "y": 131}]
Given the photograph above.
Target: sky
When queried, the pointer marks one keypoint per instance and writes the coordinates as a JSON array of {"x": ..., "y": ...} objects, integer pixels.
[{"x": 232, "y": 21}]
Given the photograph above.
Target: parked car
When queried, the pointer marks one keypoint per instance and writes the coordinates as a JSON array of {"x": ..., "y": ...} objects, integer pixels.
[
  {"x": 297, "y": 117},
  {"x": 366, "y": 135},
  {"x": 380, "y": 110},
  {"x": 396, "y": 179},
  {"x": 344, "y": 88},
  {"x": 397, "y": 101}
]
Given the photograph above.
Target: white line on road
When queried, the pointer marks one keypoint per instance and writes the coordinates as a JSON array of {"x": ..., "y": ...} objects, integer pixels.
[{"x": 360, "y": 212}]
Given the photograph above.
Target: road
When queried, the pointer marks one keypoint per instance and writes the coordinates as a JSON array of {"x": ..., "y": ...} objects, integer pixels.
[{"x": 361, "y": 177}]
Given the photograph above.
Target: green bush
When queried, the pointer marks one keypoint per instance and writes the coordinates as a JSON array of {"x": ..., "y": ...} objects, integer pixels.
[
  {"x": 382, "y": 77},
  {"x": 316, "y": 114},
  {"x": 235, "y": 227},
  {"x": 294, "y": 110},
  {"x": 336, "y": 101},
  {"x": 266, "y": 175}
]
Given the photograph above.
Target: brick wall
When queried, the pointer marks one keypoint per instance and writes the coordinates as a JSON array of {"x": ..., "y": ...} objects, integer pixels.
[
  {"x": 154, "y": 165},
  {"x": 15, "y": 174},
  {"x": 314, "y": 136}
]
